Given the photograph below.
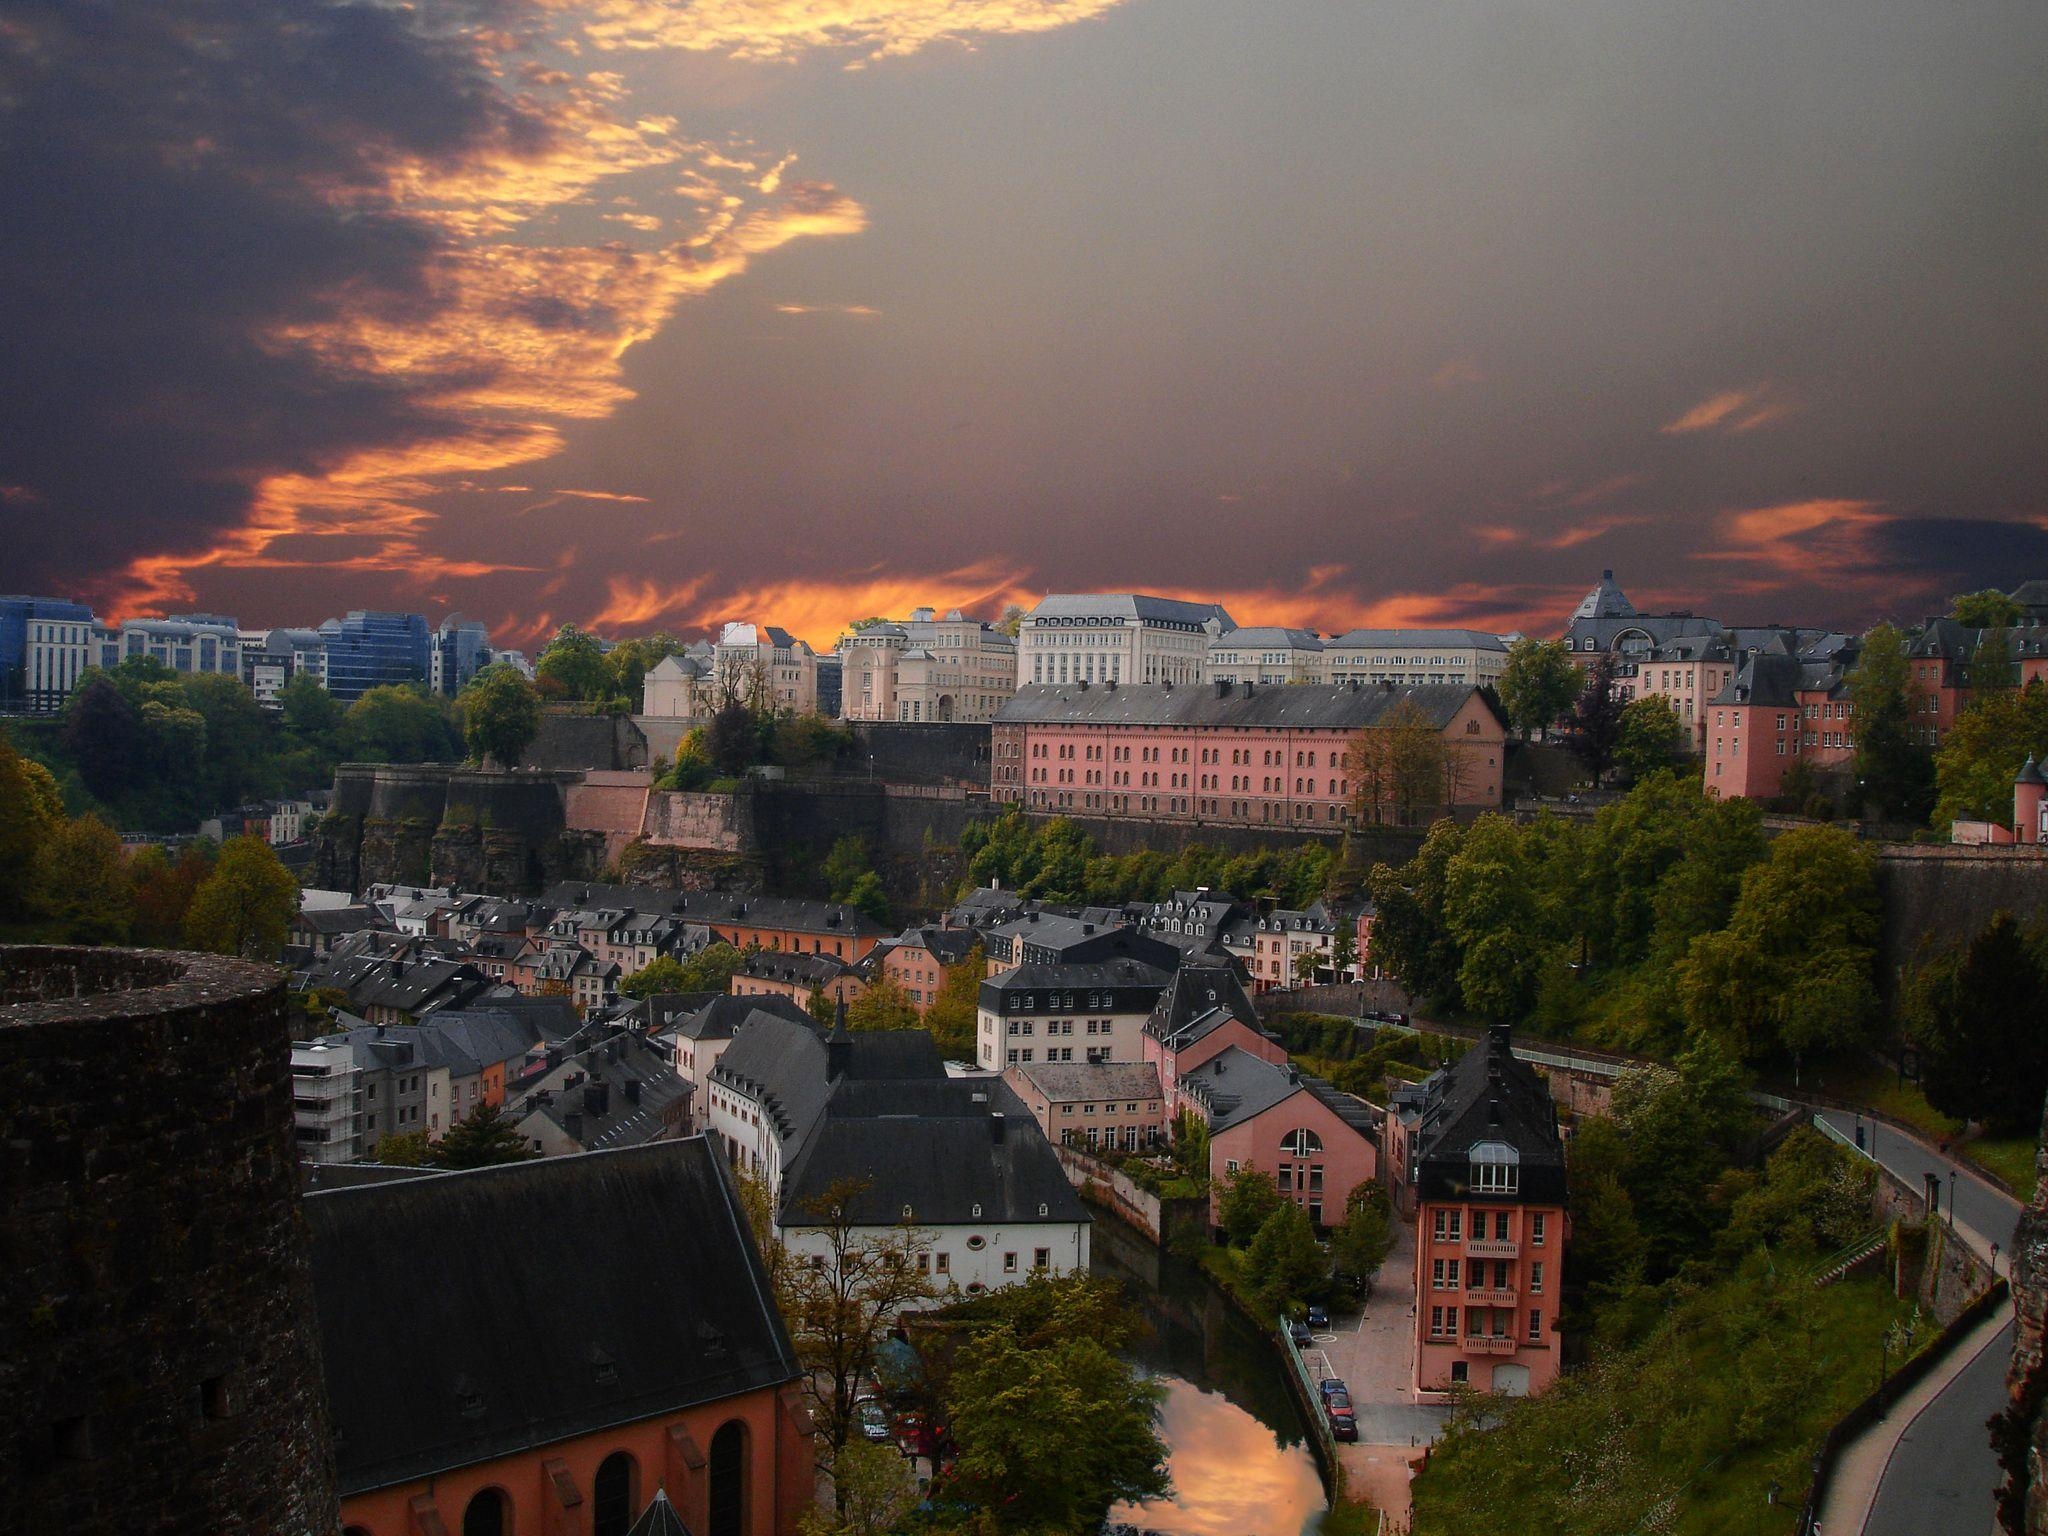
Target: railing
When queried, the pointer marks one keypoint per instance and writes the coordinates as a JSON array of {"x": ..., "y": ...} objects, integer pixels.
[
  {"x": 1489, "y": 1344},
  {"x": 1492, "y": 1248},
  {"x": 1492, "y": 1295}
]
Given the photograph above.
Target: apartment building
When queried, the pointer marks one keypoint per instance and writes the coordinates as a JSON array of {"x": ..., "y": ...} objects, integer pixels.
[
  {"x": 926, "y": 668},
  {"x": 1121, "y": 637},
  {"x": 1410, "y": 658}
]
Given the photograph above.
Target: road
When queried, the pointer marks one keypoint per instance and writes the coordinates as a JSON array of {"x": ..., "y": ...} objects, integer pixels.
[{"x": 1940, "y": 1475}]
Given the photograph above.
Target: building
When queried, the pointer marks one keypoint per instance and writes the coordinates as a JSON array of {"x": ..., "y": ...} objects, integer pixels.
[
  {"x": 764, "y": 668},
  {"x": 600, "y": 1333},
  {"x": 190, "y": 643},
  {"x": 1482, "y": 1166},
  {"x": 1202, "y": 1013},
  {"x": 408, "y": 1079},
  {"x": 1117, "y": 637},
  {"x": 679, "y": 687},
  {"x": 918, "y": 958},
  {"x": 46, "y": 643},
  {"x": 1606, "y": 620},
  {"x": 1071, "y": 1011},
  {"x": 1039, "y": 936},
  {"x": 1318, "y": 1144},
  {"x": 461, "y": 648},
  {"x": 925, "y": 668},
  {"x": 327, "y": 1102},
  {"x": 617, "y": 1089},
  {"x": 1106, "y": 1105},
  {"x": 1410, "y": 658},
  {"x": 797, "y": 977},
  {"x": 1291, "y": 948},
  {"x": 702, "y": 1034},
  {"x": 1264, "y": 655},
  {"x": 794, "y": 923},
  {"x": 2029, "y": 814},
  {"x": 368, "y": 650},
  {"x": 1242, "y": 754},
  {"x": 1777, "y": 709}
]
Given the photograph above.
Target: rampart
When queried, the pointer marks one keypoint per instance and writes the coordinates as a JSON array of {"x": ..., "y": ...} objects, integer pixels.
[{"x": 159, "y": 1364}]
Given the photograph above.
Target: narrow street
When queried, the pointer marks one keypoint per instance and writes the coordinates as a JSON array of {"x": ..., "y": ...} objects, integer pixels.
[{"x": 1375, "y": 1357}]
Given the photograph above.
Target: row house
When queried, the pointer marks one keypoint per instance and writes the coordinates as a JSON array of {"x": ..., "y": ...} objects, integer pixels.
[
  {"x": 794, "y": 923},
  {"x": 1042, "y": 936},
  {"x": 410, "y": 1078},
  {"x": 1476, "y": 1154},
  {"x": 1202, "y": 1012},
  {"x": 918, "y": 958},
  {"x": 799, "y": 978},
  {"x": 1240, "y": 754},
  {"x": 1117, "y": 637},
  {"x": 1943, "y": 658},
  {"x": 1110, "y": 1106},
  {"x": 554, "y": 969},
  {"x": 926, "y": 668},
  {"x": 1077, "y": 1011},
  {"x": 1290, "y": 948},
  {"x": 1318, "y": 1144},
  {"x": 649, "y": 1385},
  {"x": 698, "y": 1029}
]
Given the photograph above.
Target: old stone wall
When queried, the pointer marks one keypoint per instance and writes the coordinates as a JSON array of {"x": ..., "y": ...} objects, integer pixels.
[
  {"x": 2020, "y": 1434},
  {"x": 442, "y": 824},
  {"x": 691, "y": 819},
  {"x": 935, "y": 753},
  {"x": 159, "y": 1364},
  {"x": 1937, "y": 896}
]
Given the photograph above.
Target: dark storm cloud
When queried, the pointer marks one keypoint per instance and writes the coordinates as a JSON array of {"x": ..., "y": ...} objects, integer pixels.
[
  {"x": 1956, "y": 554},
  {"x": 184, "y": 182}
]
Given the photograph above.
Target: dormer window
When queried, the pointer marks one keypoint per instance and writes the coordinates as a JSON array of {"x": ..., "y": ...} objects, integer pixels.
[{"x": 1496, "y": 1168}]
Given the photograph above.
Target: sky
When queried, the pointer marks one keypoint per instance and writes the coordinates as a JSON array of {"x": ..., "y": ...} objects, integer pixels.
[{"x": 656, "y": 313}]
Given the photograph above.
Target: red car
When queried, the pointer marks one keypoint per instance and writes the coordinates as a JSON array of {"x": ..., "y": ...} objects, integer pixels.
[
  {"x": 1343, "y": 1421},
  {"x": 916, "y": 1435}
]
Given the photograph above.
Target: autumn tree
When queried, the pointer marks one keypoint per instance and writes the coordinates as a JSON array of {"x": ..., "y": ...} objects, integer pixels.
[
  {"x": 162, "y": 889},
  {"x": 82, "y": 884},
  {"x": 1398, "y": 766},
  {"x": 245, "y": 906},
  {"x": 500, "y": 715},
  {"x": 953, "y": 1015},
  {"x": 1537, "y": 684},
  {"x": 882, "y": 1004},
  {"x": 30, "y": 811}
]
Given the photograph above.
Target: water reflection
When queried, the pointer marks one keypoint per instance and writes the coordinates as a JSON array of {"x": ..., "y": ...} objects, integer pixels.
[
  {"x": 1234, "y": 1438},
  {"x": 1231, "y": 1475}
]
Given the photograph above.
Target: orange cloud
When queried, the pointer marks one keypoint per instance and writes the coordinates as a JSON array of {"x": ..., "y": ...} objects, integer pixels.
[
  {"x": 783, "y": 29},
  {"x": 825, "y": 309},
  {"x": 1733, "y": 411}
]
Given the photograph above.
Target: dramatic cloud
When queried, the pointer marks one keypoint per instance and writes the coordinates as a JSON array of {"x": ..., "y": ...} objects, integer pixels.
[
  {"x": 781, "y": 29},
  {"x": 1733, "y": 410}
]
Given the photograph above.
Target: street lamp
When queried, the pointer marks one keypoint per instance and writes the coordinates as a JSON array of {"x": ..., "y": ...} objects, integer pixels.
[{"x": 1951, "y": 1199}]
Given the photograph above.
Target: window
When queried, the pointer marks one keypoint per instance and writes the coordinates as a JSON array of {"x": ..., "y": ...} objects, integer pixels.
[
  {"x": 1500, "y": 1226},
  {"x": 1009, "y": 1263},
  {"x": 945, "y": 1263},
  {"x": 1301, "y": 1142},
  {"x": 1450, "y": 1226},
  {"x": 1041, "y": 1258},
  {"x": 1461, "y": 1371},
  {"x": 727, "y": 1514},
  {"x": 1535, "y": 1326},
  {"x": 612, "y": 1503},
  {"x": 1536, "y": 1278},
  {"x": 1536, "y": 1229},
  {"x": 1496, "y": 1168},
  {"x": 487, "y": 1515},
  {"x": 1439, "y": 1325}
]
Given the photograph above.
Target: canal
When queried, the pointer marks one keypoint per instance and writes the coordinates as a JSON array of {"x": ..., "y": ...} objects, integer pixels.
[{"x": 1236, "y": 1445}]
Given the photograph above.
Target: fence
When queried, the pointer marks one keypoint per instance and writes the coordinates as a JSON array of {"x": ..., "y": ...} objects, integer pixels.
[
  {"x": 1871, "y": 1409},
  {"x": 1307, "y": 1387}
]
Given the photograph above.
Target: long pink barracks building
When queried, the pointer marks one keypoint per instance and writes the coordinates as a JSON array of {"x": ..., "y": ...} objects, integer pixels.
[{"x": 1248, "y": 753}]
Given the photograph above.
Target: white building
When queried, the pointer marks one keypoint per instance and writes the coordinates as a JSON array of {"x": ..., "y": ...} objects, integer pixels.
[
  {"x": 766, "y": 668},
  {"x": 56, "y": 650},
  {"x": 1119, "y": 637},
  {"x": 678, "y": 687},
  {"x": 191, "y": 643},
  {"x": 926, "y": 668},
  {"x": 1264, "y": 654},
  {"x": 327, "y": 1102},
  {"x": 1411, "y": 657},
  {"x": 1088, "y": 1011}
]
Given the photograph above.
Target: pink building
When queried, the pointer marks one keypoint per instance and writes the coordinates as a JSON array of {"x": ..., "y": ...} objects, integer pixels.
[
  {"x": 918, "y": 959},
  {"x": 1482, "y": 1165},
  {"x": 1107, "y": 1105},
  {"x": 1318, "y": 1144},
  {"x": 1202, "y": 1013},
  {"x": 1238, "y": 753}
]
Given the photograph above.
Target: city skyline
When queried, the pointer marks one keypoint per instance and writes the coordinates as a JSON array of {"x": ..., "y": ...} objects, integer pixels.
[{"x": 648, "y": 316}]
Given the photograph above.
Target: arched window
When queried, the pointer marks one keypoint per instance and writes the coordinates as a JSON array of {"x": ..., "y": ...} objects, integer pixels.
[
  {"x": 1301, "y": 1142},
  {"x": 613, "y": 1497},
  {"x": 488, "y": 1514},
  {"x": 355, "y": 1530},
  {"x": 728, "y": 1513}
]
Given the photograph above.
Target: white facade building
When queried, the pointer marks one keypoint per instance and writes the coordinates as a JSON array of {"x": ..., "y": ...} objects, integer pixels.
[
  {"x": 1412, "y": 657},
  {"x": 926, "y": 668},
  {"x": 1263, "y": 654},
  {"x": 1119, "y": 637},
  {"x": 327, "y": 1102}
]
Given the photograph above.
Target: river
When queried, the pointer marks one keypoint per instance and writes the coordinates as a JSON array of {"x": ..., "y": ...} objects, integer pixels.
[{"x": 1235, "y": 1441}]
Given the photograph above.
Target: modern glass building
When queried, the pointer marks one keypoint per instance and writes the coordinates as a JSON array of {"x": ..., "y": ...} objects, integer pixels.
[
  {"x": 368, "y": 650},
  {"x": 44, "y": 645},
  {"x": 462, "y": 648}
]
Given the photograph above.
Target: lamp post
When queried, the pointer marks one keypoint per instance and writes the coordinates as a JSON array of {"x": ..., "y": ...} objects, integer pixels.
[{"x": 1951, "y": 1199}]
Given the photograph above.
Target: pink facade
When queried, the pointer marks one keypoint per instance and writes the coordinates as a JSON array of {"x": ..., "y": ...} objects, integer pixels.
[
  {"x": 1314, "y": 1156},
  {"x": 1487, "y": 1283},
  {"x": 1172, "y": 1064},
  {"x": 915, "y": 969}
]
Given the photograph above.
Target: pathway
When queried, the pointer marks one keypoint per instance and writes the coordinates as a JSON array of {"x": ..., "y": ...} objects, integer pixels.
[
  {"x": 1926, "y": 1466},
  {"x": 1376, "y": 1359}
]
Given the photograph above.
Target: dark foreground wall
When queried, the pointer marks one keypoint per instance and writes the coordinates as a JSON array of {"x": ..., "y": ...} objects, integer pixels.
[
  {"x": 1938, "y": 896},
  {"x": 159, "y": 1370}
]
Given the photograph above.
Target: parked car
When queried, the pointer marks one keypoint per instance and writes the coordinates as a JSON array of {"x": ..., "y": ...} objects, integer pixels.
[
  {"x": 1318, "y": 1316},
  {"x": 1330, "y": 1385},
  {"x": 1343, "y": 1420},
  {"x": 1297, "y": 1330},
  {"x": 916, "y": 1435},
  {"x": 873, "y": 1419}
]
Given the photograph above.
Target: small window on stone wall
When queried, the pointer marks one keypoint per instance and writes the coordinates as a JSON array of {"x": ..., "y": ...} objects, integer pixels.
[{"x": 216, "y": 1399}]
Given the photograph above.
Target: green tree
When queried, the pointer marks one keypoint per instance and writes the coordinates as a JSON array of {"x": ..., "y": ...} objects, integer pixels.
[
  {"x": 572, "y": 666},
  {"x": 711, "y": 969},
  {"x": 1410, "y": 939},
  {"x": 406, "y": 1149},
  {"x": 1983, "y": 752},
  {"x": 1284, "y": 1261},
  {"x": 1680, "y": 1129},
  {"x": 1246, "y": 1199},
  {"x": 1895, "y": 770},
  {"x": 397, "y": 723},
  {"x": 881, "y": 1005},
  {"x": 483, "y": 1138},
  {"x": 849, "y": 859},
  {"x": 500, "y": 714},
  {"x": 733, "y": 741},
  {"x": 82, "y": 882},
  {"x": 1650, "y": 736},
  {"x": 308, "y": 711},
  {"x": 102, "y": 735},
  {"x": 30, "y": 812},
  {"x": 871, "y": 1496},
  {"x": 1979, "y": 1020},
  {"x": 241, "y": 738},
  {"x": 1991, "y": 664},
  {"x": 245, "y": 906},
  {"x": 1795, "y": 969},
  {"x": 1363, "y": 1240},
  {"x": 953, "y": 1015},
  {"x": 1596, "y": 718},
  {"x": 1988, "y": 609},
  {"x": 1538, "y": 684},
  {"x": 1012, "y": 621},
  {"x": 1609, "y": 1253},
  {"x": 868, "y": 898}
]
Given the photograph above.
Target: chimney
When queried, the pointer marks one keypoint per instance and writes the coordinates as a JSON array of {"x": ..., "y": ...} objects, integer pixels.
[
  {"x": 632, "y": 1090},
  {"x": 597, "y": 1097},
  {"x": 572, "y": 1122},
  {"x": 1222, "y": 687},
  {"x": 1493, "y": 1111},
  {"x": 996, "y": 1127}
]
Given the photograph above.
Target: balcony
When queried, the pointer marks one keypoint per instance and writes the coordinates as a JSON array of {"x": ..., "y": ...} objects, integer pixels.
[
  {"x": 1492, "y": 1295},
  {"x": 1486, "y": 1248},
  {"x": 1489, "y": 1344}
]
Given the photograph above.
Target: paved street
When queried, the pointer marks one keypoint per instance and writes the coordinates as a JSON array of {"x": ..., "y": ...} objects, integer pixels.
[{"x": 1938, "y": 1473}]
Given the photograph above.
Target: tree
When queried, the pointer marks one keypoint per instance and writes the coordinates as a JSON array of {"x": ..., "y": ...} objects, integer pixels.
[
  {"x": 1410, "y": 939},
  {"x": 1012, "y": 621},
  {"x": 30, "y": 812},
  {"x": 162, "y": 891},
  {"x": 1988, "y": 609},
  {"x": 102, "y": 735},
  {"x": 82, "y": 883},
  {"x": 1596, "y": 718},
  {"x": 1028, "y": 1401},
  {"x": 1982, "y": 754},
  {"x": 882, "y": 1004},
  {"x": 240, "y": 738},
  {"x": 733, "y": 742},
  {"x": 1894, "y": 769},
  {"x": 711, "y": 969},
  {"x": 1991, "y": 666},
  {"x": 483, "y": 1138},
  {"x": 841, "y": 1286},
  {"x": 1679, "y": 1128},
  {"x": 1365, "y": 1237},
  {"x": 1538, "y": 684},
  {"x": 397, "y": 723},
  {"x": 1977, "y": 1017},
  {"x": 406, "y": 1149},
  {"x": 1649, "y": 736},
  {"x": 500, "y": 714},
  {"x": 245, "y": 906},
  {"x": 1247, "y": 1198},
  {"x": 953, "y": 1015},
  {"x": 849, "y": 859},
  {"x": 871, "y": 1496},
  {"x": 1795, "y": 969},
  {"x": 868, "y": 898},
  {"x": 572, "y": 666},
  {"x": 308, "y": 711}
]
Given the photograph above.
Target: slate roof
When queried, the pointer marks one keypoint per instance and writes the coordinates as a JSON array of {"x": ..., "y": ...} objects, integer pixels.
[
  {"x": 1198, "y": 1000},
  {"x": 1068, "y": 1081},
  {"x": 410, "y": 986},
  {"x": 481, "y": 1314},
  {"x": 987, "y": 905},
  {"x": 723, "y": 1016},
  {"x": 1605, "y": 601},
  {"x": 1488, "y": 1095},
  {"x": 1130, "y": 605},
  {"x": 589, "y": 1096},
  {"x": 948, "y": 946},
  {"x": 782, "y": 1066},
  {"x": 1126, "y": 975},
  {"x": 1293, "y": 706},
  {"x": 1449, "y": 639},
  {"x": 1236, "y": 1086},
  {"x": 1269, "y": 635},
  {"x": 350, "y": 919},
  {"x": 793, "y": 969}
]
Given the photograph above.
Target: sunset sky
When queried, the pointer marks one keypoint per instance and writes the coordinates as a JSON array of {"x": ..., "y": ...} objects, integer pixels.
[{"x": 648, "y": 313}]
